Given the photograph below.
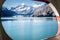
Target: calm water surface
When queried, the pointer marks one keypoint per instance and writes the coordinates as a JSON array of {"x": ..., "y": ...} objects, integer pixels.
[{"x": 28, "y": 28}]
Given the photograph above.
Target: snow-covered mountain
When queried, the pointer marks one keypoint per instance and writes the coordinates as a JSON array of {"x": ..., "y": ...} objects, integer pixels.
[
  {"x": 24, "y": 9},
  {"x": 35, "y": 9},
  {"x": 30, "y": 10}
]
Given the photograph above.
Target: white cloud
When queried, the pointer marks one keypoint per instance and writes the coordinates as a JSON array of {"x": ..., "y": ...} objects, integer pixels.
[{"x": 22, "y": 4}]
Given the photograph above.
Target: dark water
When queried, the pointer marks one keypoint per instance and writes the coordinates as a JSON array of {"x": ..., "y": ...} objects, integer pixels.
[{"x": 28, "y": 28}]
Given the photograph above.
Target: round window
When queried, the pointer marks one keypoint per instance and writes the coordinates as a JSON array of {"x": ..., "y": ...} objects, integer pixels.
[{"x": 29, "y": 20}]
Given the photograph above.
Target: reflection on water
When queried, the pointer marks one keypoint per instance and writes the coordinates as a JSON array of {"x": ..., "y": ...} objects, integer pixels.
[{"x": 29, "y": 28}]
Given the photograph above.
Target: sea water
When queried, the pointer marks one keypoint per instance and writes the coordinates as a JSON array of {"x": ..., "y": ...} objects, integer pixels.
[{"x": 30, "y": 28}]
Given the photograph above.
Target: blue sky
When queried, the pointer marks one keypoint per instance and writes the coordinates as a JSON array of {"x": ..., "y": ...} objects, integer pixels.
[{"x": 13, "y": 3}]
